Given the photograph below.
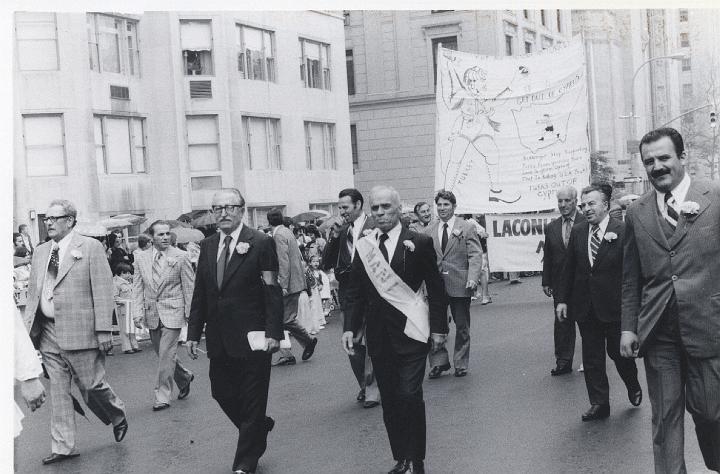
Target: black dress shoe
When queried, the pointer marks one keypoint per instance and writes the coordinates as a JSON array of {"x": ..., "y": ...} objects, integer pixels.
[
  {"x": 309, "y": 349},
  {"x": 635, "y": 396},
  {"x": 370, "y": 403},
  {"x": 460, "y": 372},
  {"x": 55, "y": 457},
  {"x": 561, "y": 370},
  {"x": 596, "y": 412},
  {"x": 401, "y": 467},
  {"x": 437, "y": 371},
  {"x": 360, "y": 396},
  {"x": 417, "y": 467},
  {"x": 137, "y": 350},
  {"x": 185, "y": 391},
  {"x": 160, "y": 406},
  {"x": 120, "y": 429},
  {"x": 286, "y": 361}
]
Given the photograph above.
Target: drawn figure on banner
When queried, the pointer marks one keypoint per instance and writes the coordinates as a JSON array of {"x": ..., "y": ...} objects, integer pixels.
[{"x": 474, "y": 130}]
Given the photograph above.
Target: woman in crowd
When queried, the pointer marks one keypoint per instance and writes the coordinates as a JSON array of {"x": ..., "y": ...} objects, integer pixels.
[
  {"x": 122, "y": 282},
  {"x": 116, "y": 253}
]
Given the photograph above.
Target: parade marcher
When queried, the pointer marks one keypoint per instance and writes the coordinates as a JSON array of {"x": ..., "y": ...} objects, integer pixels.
[
  {"x": 116, "y": 251},
  {"x": 239, "y": 303},
  {"x": 27, "y": 372},
  {"x": 423, "y": 211},
  {"x": 69, "y": 316},
  {"x": 123, "y": 296},
  {"x": 384, "y": 297},
  {"x": 671, "y": 300},
  {"x": 557, "y": 237},
  {"x": 162, "y": 292},
  {"x": 589, "y": 292}
]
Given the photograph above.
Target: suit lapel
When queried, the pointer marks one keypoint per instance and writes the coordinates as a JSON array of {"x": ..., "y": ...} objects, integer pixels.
[
  {"x": 696, "y": 193},
  {"x": 434, "y": 234},
  {"x": 399, "y": 255},
  {"x": 452, "y": 238},
  {"x": 68, "y": 260},
  {"x": 246, "y": 235},
  {"x": 649, "y": 217},
  {"x": 604, "y": 243},
  {"x": 213, "y": 255},
  {"x": 170, "y": 253},
  {"x": 582, "y": 241},
  {"x": 43, "y": 257}
]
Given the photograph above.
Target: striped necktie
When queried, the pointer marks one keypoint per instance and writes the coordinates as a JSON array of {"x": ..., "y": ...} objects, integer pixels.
[
  {"x": 157, "y": 270},
  {"x": 671, "y": 215},
  {"x": 594, "y": 242},
  {"x": 567, "y": 227}
]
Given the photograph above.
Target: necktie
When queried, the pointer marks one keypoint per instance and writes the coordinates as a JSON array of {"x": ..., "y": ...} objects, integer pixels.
[
  {"x": 54, "y": 264},
  {"x": 444, "y": 241},
  {"x": 383, "y": 249},
  {"x": 223, "y": 260},
  {"x": 594, "y": 242},
  {"x": 350, "y": 239},
  {"x": 672, "y": 215},
  {"x": 567, "y": 227},
  {"x": 157, "y": 270}
]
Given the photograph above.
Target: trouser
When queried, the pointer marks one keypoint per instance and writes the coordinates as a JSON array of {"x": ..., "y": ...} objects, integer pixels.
[
  {"x": 292, "y": 325},
  {"x": 460, "y": 310},
  {"x": 128, "y": 341},
  {"x": 675, "y": 380},
  {"x": 597, "y": 338},
  {"x": 240, "y": 386},
  {"x": 564, "y": 341},
  {"x": 87, "y": 368},
  {"x": 164, "y": 341}
]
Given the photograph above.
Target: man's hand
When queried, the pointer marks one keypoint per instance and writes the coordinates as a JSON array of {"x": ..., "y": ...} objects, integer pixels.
[
  {"x": 285, "y": 292},
  {"x": 561, "y": 312},
  {"x": 191, "y": 347},
  {"x": 336, "y": 226},
  {"x": 471, "y": 285},
  {"x": 272, "y": 345},
  {"x": 347, "y": 342},
  {"x": 104, "y": 340},
  {"x": 629, "y": 344},
  {"x": 138, "y": 323},
  {"x": 547, "y": 290},
  {"x": 33, "y": 392}
]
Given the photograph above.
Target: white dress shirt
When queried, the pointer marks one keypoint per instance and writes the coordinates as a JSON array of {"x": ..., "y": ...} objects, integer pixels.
[
  {"x": 235, "y": 236},
  {"x": 679, "y": 193},
  {"x": 357, "y": 228},
  {"x": 450, "y": 224},
  {"x": 391, "y": 242},
  {"x": 603, "y": 226},
  {"x": 46, "y": 300}
]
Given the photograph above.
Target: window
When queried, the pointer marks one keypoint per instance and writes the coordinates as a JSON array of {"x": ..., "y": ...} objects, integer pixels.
[
  {"x": 687, "y": 90},
  {"x": 257, "y": 216},
  {"x": 542, "y": 18},
  {"x": 329, "y": 207},
  {"x": 262, "y": 138},
  {"x": 36, "y": 35},
  {"x": 44, "y": 138},
  {"x": 112, "y": 44},
  {"x": 119, "y": 144},
  {"x": 508, "y": 45},
  {"x": 686, "y": 65},
  {"x": 559, "y": 21},
  {"x": 354, "y": 146},
  {"x": 350, "y": 66},
  {"x": 683, "y": 16},
  {"x": 448, "y": 42},
  {"x": 346, "y": 17},
  {"x": 202, "y": 140},
  {"x": 196, "y": 39},
  {"x": 684, "y": 40},
  {"x": 315, "y": 64},
  {"x": 256, "y": 59},
  {"x": 528, "y": 47},
  {"x": 320, "y": 146}
]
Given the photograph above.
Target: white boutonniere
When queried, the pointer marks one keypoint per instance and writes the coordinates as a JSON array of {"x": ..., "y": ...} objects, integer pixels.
[
  {"x": 171, "y": 261},
  {"x": 456, "y": 232},
  {"x": 242, "y": 248},
  {"x": 366, "y": 232},
  {"x": 409, "y": 245},
  {"x": 77, "y": 255},
  {"x": 690, "y": 208},
  {"x": 610, "y": 236}
]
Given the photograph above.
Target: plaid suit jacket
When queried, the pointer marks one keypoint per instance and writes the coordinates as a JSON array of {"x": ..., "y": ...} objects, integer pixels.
[
  {"x": 462, "y": 259},
  {"x": 82, "y": 295},
  {"x": 170, "y": 301}
]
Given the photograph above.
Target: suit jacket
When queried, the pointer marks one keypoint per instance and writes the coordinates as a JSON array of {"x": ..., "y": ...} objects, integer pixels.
[
  {"x": 170, "y": 301},
  {"x": 291, "y": 275},
  {"x": 365, "y": 305},
  {"x": 82, "y": 295},
  {"x": 555, "y": 252},
  {"x": 687, "y": 265},
  {"x": 584, "y": 288},
  {"x": 242, "y": 303},
  {"x": 331, "y": 255},
  {"x": 462, "y": 259}
]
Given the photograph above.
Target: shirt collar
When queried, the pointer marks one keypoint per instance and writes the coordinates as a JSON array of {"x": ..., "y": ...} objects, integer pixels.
[
  {"x": 394, "y": 233},
  {"x": 360, "y": 221},
  {"x": 603, "y": 224},
  {"x": 450, "y": 223},
  {"x": 571, "y": 217},
  {"x": 65, "y": 241},
  {"x": 234, "y": 234},
  {"x": 679, "y": 193}
]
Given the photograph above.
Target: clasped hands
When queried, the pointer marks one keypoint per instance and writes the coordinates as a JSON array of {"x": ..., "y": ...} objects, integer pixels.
[{"x": 192, "y": 347}]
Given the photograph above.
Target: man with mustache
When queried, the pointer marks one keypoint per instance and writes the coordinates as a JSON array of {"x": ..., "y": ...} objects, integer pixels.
[{"x": 671, "y": 300}]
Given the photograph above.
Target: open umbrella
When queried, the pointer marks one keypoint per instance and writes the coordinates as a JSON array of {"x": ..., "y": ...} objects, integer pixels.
[
  {"x": 627, "y": 199},
  {"x": 89, "y": 229},
  {"x": 204, "y": 220},
  {"x": 174, "y": 224},
  {"x": 115, "y": 223},
  {"x": 310, "y": 216},
  {"x": 189, "y": 216},
  {"x": 132, "y": 218},
  {"x": 185, "y": 235}
]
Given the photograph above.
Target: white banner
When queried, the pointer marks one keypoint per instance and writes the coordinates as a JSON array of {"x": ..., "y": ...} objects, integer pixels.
[
  {"x": 511, "y": 130},
  {"x": 515, "y": 242}
]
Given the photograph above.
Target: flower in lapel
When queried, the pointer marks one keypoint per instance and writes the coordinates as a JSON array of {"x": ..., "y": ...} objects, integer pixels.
[
  {"x": 690, "y": 208},
  {"x": 409, "y": 245},
  {"x": 171, "y": 261},
  {"x": 77, "y": 255},
  {"x": 366, "y": 232},
  {"x": 456, "y": 232},
  {"x": 242, "y": 248},
  {"x": 610, "y": 236}
]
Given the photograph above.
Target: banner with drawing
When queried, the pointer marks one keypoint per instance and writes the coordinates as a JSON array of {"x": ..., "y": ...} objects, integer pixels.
[
  {"x": 511, "y": 130},
  {"x": 515, "y": 241}
]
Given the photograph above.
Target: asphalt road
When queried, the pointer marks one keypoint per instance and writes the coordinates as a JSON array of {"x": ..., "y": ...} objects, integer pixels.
[{"x": 507, "y": 415}]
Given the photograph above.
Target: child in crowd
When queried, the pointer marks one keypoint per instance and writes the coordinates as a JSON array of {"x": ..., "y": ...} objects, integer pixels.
[
  {"x": 320, "y": 292},
  {"x": 122, "y": 281}
]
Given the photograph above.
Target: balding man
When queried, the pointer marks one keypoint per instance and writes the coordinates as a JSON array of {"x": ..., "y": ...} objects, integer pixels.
[
  {"x": 384, "y": 295},
  {"x": 557, "y": 237}
]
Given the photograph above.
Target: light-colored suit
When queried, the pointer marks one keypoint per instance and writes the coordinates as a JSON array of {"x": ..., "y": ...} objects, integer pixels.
[
  {"x": 671, "y": 300},
  {"x": 83, "y": 305},
  {"x": 460, "y": 263},
  {"x": 164, "y": 310}
]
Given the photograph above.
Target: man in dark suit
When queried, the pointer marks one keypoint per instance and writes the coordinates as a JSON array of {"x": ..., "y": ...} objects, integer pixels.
[
  {"x": 390, "y": 265},
  {"x": 339, "y": 254},
  {"x": 237, "y": 297},
  {"x": 589, "y": 292},
  {"x": 557, "y": 238},
  {"x": 671, "y": 300}
]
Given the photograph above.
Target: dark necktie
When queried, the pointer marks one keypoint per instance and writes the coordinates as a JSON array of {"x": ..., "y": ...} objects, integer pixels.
[
  {"x": 594, "y": 242},
  {"x": 383, "y": 238},
  {"x": 54, "y": 264},
  {"x": 350, "y": 239},
  {"x": 567, "y": 227},
  {"x": 444, "y": 241},
  {"x": 672, "y": 215},
  {"x": 223, "y": 260}
]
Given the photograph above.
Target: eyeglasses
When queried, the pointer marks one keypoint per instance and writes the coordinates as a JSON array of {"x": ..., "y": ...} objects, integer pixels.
[
  {"x": 53, "y": 219},
  {"x": 229, "y": 209}
]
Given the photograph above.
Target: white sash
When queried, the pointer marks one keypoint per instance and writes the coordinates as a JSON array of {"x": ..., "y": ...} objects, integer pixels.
[{"x": 394, "y": 290}]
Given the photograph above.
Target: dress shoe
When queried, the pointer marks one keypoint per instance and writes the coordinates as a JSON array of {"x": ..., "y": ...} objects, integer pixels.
[
  {"x": 286, "y": 361},
  {"x": 635, "y": 396},
  {"x": 109, "y": 353},
  {"x": 596, "y": 412},
  {"x": 128, "y": 352},
  {"x": 185, "y": 391},
  {"x": 417, "y": 467},
  {"x": 160, "y": 406},
  {"x": 437, "y": 371},
  {"x": 486, "y": 301},
  {"x": 561, "y": 370},
  {"x": 401, "y": 467},
  {"x": 55, "y": 457},
  {"x": 137, "y": 349},
  {"x": 370, "y": 403},
  {"x": 309, "y": 349},
  {"x": 120, "y": 430},
  {"x": 360, "y": 396},
  {"x": 460, "y": 372}
]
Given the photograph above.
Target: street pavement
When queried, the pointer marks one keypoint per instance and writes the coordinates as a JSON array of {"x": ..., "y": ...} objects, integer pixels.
[{"x": 507, "y": 415}]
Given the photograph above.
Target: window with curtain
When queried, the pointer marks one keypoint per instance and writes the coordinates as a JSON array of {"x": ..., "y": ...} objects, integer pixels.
[
  {"x": 262, "y": 138},
  {"x": 202, "y": 139},
  {"x": 256, "y": 59},
  {"x": 315, "y": 64},
  {"x": 36, "y": 35},
  {"x": 44, "y": 138},
  {"x": 112, "y": 44},
  {"x": 119, "y": 144},
  {"x": 196, "y": 41},
  {"x": 320, "y": 146}
]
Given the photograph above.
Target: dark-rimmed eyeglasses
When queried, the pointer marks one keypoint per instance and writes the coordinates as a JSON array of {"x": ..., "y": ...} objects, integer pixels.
[
  {"x": 229, "y": 209},
  {"x": 53, "y": 219}
]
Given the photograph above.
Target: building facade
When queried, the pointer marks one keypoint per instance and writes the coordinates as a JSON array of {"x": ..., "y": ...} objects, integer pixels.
[{"x": 150, "y": 114}]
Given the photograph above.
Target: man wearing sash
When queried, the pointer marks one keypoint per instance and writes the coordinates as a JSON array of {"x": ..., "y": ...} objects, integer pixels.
[{"x": 384, "y": 294}]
